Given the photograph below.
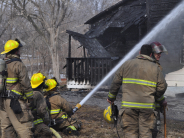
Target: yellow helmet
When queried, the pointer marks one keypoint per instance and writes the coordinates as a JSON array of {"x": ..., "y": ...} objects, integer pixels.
[
  {"x": 37, "y": 79},
  {"x": 107, "y": 115},
  {"x": 51, "y": 83},
  {"x": 9, "y": 46}
]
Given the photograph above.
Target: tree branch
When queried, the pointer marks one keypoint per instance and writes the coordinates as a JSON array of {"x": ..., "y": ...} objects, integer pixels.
[{"x": 64, "y": 7}]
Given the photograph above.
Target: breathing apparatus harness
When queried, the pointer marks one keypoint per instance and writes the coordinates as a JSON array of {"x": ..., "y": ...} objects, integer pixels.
[
  {"x": 7, "y": 93},
  {"x": 55, "y": 120},
  {"x": 14, "y": 104}
]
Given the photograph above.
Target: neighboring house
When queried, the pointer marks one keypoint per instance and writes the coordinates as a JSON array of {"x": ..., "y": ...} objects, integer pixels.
[{"x": 115, "y": 31}]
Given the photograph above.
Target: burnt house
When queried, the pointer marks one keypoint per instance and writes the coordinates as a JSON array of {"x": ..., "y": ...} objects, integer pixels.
[{"x": 115, "y": 31}]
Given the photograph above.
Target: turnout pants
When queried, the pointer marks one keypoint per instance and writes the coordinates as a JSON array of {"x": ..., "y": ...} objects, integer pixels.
[
  {"x": 138, "y": 123},
  {"x": 15, "y": 124}
]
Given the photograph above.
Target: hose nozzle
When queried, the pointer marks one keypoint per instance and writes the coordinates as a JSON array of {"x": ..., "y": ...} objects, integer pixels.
[{"x": 76, "y": 108}]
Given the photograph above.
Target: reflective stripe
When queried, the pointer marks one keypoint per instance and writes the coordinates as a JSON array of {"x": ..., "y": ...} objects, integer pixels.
[
  {"x": 16, "y": 92},
  {"x": 24, "y": 97},
  {"x": 138, "y": 105},
  {"x": 161, "y": 98},
  {"x": 33, "y": 109},
  {"x": 110, "y": 95},
  {"x": 11, "y": 80},
  {"x": 157, "y": 105},
  {"x": 64, "y": 116},
  {"x": 28, "y": 94},
  {"x": 72, "y": 127},
  {"x": 38, "y": 121},
  {"x": 139, "y": 81},
  {"x": 56, "y": 111}
]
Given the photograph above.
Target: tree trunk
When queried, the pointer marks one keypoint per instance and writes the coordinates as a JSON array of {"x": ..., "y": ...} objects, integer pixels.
[
  {"x": 55, "y": 66},
  {"x": 54, "y": 53}
]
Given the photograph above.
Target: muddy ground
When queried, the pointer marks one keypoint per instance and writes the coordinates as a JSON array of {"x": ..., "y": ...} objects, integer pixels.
[{"x": 94, "y": 125}]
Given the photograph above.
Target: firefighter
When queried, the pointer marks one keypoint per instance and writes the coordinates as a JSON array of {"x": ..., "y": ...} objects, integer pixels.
[
  {"x": 60, "y": 110},
  {"x": 143, "y": 83},
  {"x": 39, "y": 107},
  {"x": 16, "y": 117},
  {"x": 158, "y": 49}
]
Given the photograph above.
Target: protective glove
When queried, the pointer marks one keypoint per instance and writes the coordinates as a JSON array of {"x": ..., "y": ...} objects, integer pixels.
[
  {"x": 46, "y": 121},
  {"x": 15, "y": 106}
]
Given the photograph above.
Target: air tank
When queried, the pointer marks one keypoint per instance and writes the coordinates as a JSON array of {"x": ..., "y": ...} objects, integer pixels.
[{"x": 2, "y": 78}]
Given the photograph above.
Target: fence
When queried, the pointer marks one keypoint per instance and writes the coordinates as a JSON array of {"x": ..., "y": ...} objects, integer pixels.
[{"x": 87, "y": 72}]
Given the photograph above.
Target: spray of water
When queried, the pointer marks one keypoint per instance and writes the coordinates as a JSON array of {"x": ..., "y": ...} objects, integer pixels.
[{"x": 173, "y": 15}]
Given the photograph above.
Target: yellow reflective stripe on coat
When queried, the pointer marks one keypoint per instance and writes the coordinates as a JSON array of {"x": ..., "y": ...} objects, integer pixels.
[
  {"x": 64, "y": 116},
  {"x": 140, "y": 82},
  {"x": 11, "y": 80},
  {"x": 72, "y": 127},
  {"x": 38, "y": 121},
  {"x": 56, "y": 111},
  {"x": 137, "y": 105},
  {"x": 28, "y": 94},
  {"x": 161, "y": 98},
  {"x": 16, "y": 92},
  {"x": 110, "y": 95}
]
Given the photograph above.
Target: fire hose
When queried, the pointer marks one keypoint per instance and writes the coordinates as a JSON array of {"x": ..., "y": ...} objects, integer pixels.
[{"x": 55, "y": 133}]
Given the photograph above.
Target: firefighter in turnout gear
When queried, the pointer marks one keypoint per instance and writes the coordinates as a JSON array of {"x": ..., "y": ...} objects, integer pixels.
[
  {"x": 39, "y": 107},
  {"x": 60, "y": 110},
  {"x": 142, "y": 84},
  {"x": 16, "y": 117},
  {"x": 158, "y": 49}
]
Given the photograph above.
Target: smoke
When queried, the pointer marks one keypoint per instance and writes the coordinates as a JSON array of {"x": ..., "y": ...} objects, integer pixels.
[{"x": 171, "y": 35}]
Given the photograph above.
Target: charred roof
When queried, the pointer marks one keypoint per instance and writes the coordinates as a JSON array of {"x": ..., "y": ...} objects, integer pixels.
[
  {"x": 132, "y": 12},
  {"x": 106, "y": 12}
]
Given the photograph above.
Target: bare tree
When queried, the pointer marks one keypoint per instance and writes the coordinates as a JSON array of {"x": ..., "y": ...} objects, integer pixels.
[
  {"x": 46, "y": 16},
  {"x": 5, "y": 24}
]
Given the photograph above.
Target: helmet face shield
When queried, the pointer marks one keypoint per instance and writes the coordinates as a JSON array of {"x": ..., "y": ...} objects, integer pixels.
[{"x": 160, "y": 49}]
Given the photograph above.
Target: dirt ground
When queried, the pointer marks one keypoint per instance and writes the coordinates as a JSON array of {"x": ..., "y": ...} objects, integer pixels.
[{"x": 94, "y": 125}]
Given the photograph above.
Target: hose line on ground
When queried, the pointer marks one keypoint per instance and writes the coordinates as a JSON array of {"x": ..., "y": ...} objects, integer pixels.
[{"x": 55, "y": 133}]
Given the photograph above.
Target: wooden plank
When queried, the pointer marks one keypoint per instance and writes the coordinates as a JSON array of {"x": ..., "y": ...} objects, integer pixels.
[
  {"x": 92, "y": 72},
  {"x": 75, "y": 78},
  {"x": 102, "y": 68},
  {"x": 86, "y": 70},
  {"x": 95, "y": 71},
  {"x": 84, "y": 52},
  {"x": 67, "y": 71},
  {"x": 69, "y": 47},
  {"x": 71, "y": 69},
  {"x": 98, "y": 74},
  {"x": 82, "y": 69},
  {"x": 105, "y": 66},
  {"x": 78, "y": 71}
]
